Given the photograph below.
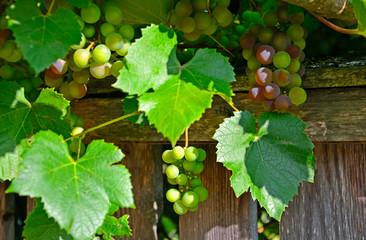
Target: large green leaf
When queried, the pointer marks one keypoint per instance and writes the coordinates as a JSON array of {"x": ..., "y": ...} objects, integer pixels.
[
  {"x": 43, "y": 38},
  {"x": 38, "y": 226},
  {"x": 145, "y": 11},
  {"x": 175, "y": 106},
  {"x": 130, "y": 105},
  {"x": 360, "y": 13},
  {"x": 276, "y": 161},
  {"x": 146, "y": 62},
  {"x": 113, "y": 227},
  {"x": 19, "y": 119},
  {"x": 210, "y": 71},
  {"x": 77, "y": 194}
]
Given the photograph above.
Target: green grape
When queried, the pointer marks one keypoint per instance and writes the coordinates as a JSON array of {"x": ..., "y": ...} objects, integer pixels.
[
  {"x": 211, "y": 29},
  {"x": 53, "y": 83},
  {"x": 114, "y": 41},
  {"x": 191, "y": 154},
  {"x": 253, "y": 63},
  {"x": 77, "y": 130},
  {"x": 113, "y": 15},
  {"x": 187, "y": 25},
  {"x": 36, "y": 82},
  {"x": 201, "y": 192},
  {"x": 281, "y": 41},
  {"x": 270, "y": 18},
  {"x": 74, "y": 146},
  {"x": 297, "y": 95},
  {"x": 172, "y": 195},
  {"x": 188, "y": 165},
  {"x": 265, "y": 35},
  {"x": 224, "y": 3},
  {"x": 99, "y": 71},
  {"x": 7, "y": 72},
  {"x": 193, "y": 36},
  {"x": 81, "y": 22},
  {"x": 172, "y": 181},
  {"x": 300, "y": 43},
  {"x": 82, "y": 76},
  {"x": 295, "y": 81},
  {"x": 183, "y": 8},
  {"x": 7, "y": 49},
  {"x": 294, "y": 66},
  {"x": 89, "y": 31},
  {"x": 198, "y": 169},
  {"x": 297, "y": 18},
  {"x": 182, "y": 179},
  {"x": 127, "y": 31},
  {"x": 81, "y": 58},
  {"x": 116, "y": 67},
  {"x": 91, "y": 14},
  {"x": 15, "y": 56},
  {"x": 203, "y": 20},
  {"x": 76, "y": 90},
  {"x": 72, "y": 64},
  {"x": 106, "y": 29},
  {"x": 178, "y": 152},
  {"x": 193, "y": 209},
  {"x": 63, "y": 90},
  {"x": 200, "y": 5},
  {"x": 201, "y": 155},
  {"x": 247, "y": 53},
  {"x": 255, "y": 29},
  {"x": 73, "y": 119},
  {"x": 251, "y": 79},
  {"x": 81, "y": 43},
  {"x": 295, "y": 32},
  {"x": 190, "y": 199},
  {"x": 124, "y": 50},
  {"x": 101, "y": 54},
  {"x": 195, "y": 182},
  {"x": 18, "y": 75},
  {"x": 79, "y": 122},
  {"x": 282, "y": 13},
  {"x": 33, "y": 95},
  {"x": 168, "y": 157},
  {"x": 107, "y": 5},
  {"x": 225, "y": 41},
  {"x": 174, "y": 18},
  {"x": 223, "y": 16},
  {"x": 26, "y": 84},
  {"x": 179, "y": 208},
  {"x": 281, "y": 59},
  {"x": 172, "y": 171}
]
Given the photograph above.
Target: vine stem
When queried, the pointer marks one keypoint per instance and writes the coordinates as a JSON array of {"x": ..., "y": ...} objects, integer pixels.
[
  {"x": 186, "y": 135},
  {"x": 51, "y": 6},
  {"x": 221, "y": 45},
  {"x": 337, "y": 28},
  {"x": 229, "y": 102},
  {"x": 103, "y": 125}
]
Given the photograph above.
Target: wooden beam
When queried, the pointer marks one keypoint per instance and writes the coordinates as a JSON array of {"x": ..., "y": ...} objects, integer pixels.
[{"x": 336, "y": 114}]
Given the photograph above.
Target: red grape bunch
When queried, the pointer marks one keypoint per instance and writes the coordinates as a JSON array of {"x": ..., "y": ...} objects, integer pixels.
[
  {"x": 274, "y": 54},
  {"x": 185, "y": 165}
]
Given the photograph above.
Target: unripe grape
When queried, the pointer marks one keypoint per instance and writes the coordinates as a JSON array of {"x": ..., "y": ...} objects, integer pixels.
[
  {"x": 193, "y": 36},
  {"x": 100, "y": 71},
  {"x": 172, "y": 181},
  {"x": 253, "y": 63},
  {"x": 201, "y": 155},
  {"x": 201, "y": 192},
  {"x": 180, "y": 208},
  {"x": 200, "y": 5},
  {"x": 189, "y": 166},
  {"x": 167, "y": 156},
  {"x": 36, "y": 82},
  {"x": 26, "y": 84},
  {"x": 107, "y": 29},
  {"x": 124, "y": 50},
  {"x": 107, "y": 5},
  {"x": 178, "y": 152},
  {"x": 301, "y": 70},
  {"x": 182, "y": 179},
  {"x": 300, "y": 43},
  {"x": 114, "y": 41},
  {"x": 116, "y": 67},
  {"x": 91, "y": 14},
  {"x": 255, "y": 29},
  {"x": 81, "y": 58},
  {"x": 172, "y": 195},
  {"x": 18, "y": 75},
  {"x": 297, "y": 95},
  {"x": 203, "y": 20},
  {"x": 295, "y": 32},
  {"x": 297, "y": 18},
  {"x": 113, "y": 15},
  {"x": 53, "y": 83},
  {"x": 270, "y": 18},
  {"x": 172, "y": 171},
  {"x": 265, "y": 35},
  {"x": 195, "y": 182},
  {"x": 294, "y": 66},
  {"x": 281, "y": 41},
  {"x": 193, "y": 209},
  {"x": 190, "y": 199},
  {"x": 198, "y": 169},
  {"x": 63, "y": 90},
  {"x": 7, "y": 72},
  {"x": 187, "y": 25},
  {"x": 76, "y": 90},
  {"x": 127, "y": 31},
  {"x": 247, "y": 53},
  {"x": 81, "y": 43},
  {"x": 211, "y": 29},
  {"x": 101, "y": 54},
  {"x": 281, "y": 59},
  {"x": 15, "y": 56},
  {"x": 282, "y": 13},
  {"x": 223, "y": 16},
  {"x": 191, "y": 153},
  {"x": 82, "y": 76},
  {"x": 183, "y": 8},
  {"x": 89, "y": 31}
]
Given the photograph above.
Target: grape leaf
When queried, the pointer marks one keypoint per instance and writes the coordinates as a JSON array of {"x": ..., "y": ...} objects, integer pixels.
[
  {"x": 115, "y": 227},
  {"x": 146, "y": 62},
  {"x": 77, "y": 194},
  {"x": 80, "y": 3},
  {"x": 293, "y": 9},
  {"x": 210, "y": 71},
  {"x": 43, "y": 38},
  {"x": 360, "y": 13},
  {"x": 276, "y": 161},
  {"x": 310, "y": 23},
  {"x": 38, "y": 226},
  {"x": 268, "y": 4},
  {"x": 9, "y": 163},
  {"x": 130, "y": 105},
  {"x": 20, "y": 119},
  {"x": 174, "y": 106},
  {"x": 145, "y": 11}
]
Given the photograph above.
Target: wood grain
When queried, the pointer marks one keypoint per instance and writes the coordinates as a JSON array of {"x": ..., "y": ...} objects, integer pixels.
[
  {"x": 322, "y": 73},
  {"x": 2, "y": 211},
  {"x": 222, "y": 216},
  {"x": 336, "y": 114},
  {"x": 334, "y": 206}
]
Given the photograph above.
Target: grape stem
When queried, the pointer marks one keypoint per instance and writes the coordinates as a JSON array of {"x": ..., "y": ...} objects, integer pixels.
[
  {"x": 209, "y": 11},
  {"x": 229, "y": 102},
  {"x": 79, "y": 148},
  {"x": 337, "y": 28},
  {"x": 186, "y": 135},
  {"x": 221, "y": 45},
  {"x": 103, "y": 125},
  {"x": 50, "y": 8}
]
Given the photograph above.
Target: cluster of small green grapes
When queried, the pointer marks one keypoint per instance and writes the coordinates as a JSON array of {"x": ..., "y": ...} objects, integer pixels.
[
  {"x": 196, "y": 18},
  {"x": 100, "y": 58},
  {"x": 280, "y": 46},
  {"x": 77, "y": 124},
  {"x": 12, "y": 66},
  {"x": 186, "y": 164}
]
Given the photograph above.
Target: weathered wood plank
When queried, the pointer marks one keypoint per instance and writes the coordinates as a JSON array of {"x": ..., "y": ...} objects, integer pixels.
[
  {"x": 2, "y": 211},
  {"x": 7, "y": 206},
  {"x": 336, "y": 114},
  {"x": 322, "y": 73},
  {"x": 144, "y": 163},
  {"x": 334, "y": 206},
  {"x": 222, "y": 216}
]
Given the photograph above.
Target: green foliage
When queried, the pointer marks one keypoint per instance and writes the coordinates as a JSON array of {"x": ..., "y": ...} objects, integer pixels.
[
  {"x": 43, "y": 38},
  {"x": 268, "y": 4},
  {"x": 275, "y": 161},
  {"x": 360, "y": 13},
  {"x": 113, "y": 227},
  {"x": 38, "y": 226},
  {"x": 20, "y": 119},
  {"x": 69, "y": 188},
  {"x": 80, "y": 3},
  {"x": 292, "y": 9},
  {"x": 130, "y": 104}
]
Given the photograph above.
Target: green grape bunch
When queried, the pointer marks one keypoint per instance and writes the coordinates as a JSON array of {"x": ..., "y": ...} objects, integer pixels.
[{"x": 185, "y": 165}]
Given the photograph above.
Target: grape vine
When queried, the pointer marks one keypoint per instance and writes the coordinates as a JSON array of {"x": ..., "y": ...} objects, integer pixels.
[{"x": 169, "y": 61}]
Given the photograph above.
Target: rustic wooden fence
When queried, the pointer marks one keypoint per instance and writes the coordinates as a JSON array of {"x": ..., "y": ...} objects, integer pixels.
[{"x": 333, "y": 207}]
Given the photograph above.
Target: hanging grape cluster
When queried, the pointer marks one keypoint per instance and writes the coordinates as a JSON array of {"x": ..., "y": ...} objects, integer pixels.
[
  {"x": 274, "y": 54},
  {"x": 195, "y": 18},
  {"x": 101, "y": 57},
  {"x": 185, "y": 165}
]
